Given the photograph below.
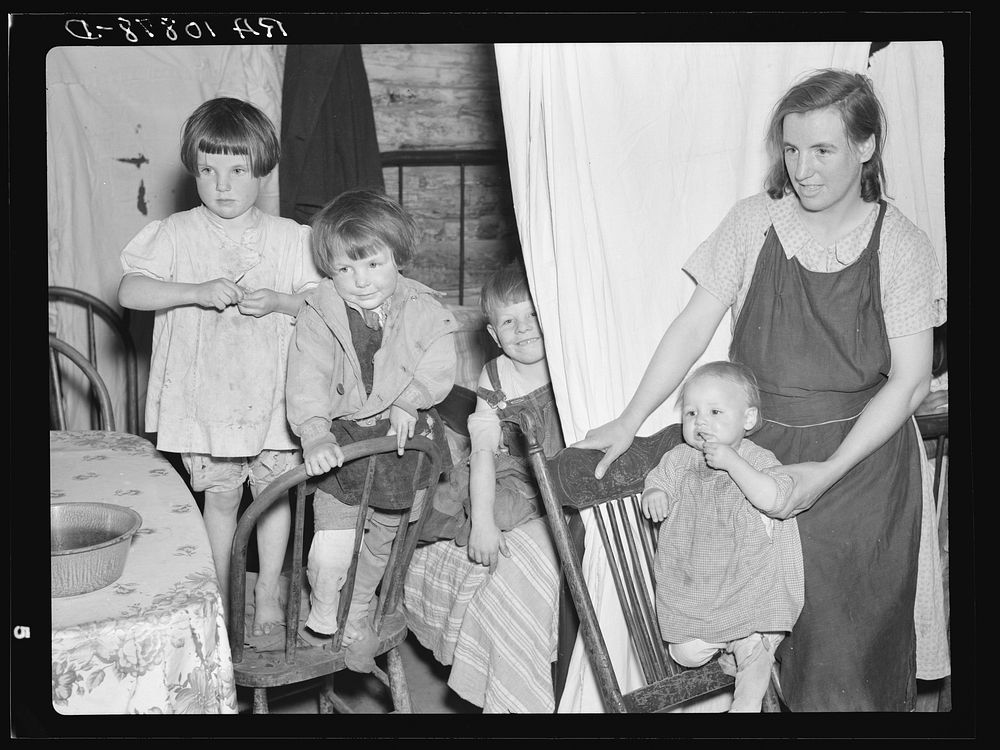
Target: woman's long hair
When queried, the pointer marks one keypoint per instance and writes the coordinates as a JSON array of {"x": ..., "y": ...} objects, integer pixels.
[{"x": 860, "y": 110}]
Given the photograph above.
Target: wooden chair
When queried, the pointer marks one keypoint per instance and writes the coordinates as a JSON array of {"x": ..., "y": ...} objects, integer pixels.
[
  {"x": 629, "y": 541},
  {"x": 98, "y": 388},
  {"x": 934, "y": 427},
  {"x": 97, "y": 308},
  {"x": 298, "y": 660}
]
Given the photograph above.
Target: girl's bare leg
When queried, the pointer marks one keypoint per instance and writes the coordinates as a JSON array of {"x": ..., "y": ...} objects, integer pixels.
[
  {"x": 272, "y": 543},
  {"x": 221, "y": 508}
]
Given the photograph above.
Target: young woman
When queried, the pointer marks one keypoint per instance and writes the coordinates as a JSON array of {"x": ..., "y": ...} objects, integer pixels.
[{"x": 834, "y": 294}]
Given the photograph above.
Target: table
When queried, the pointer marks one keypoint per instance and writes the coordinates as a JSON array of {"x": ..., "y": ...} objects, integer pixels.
[{"x": 155, "y": 640}]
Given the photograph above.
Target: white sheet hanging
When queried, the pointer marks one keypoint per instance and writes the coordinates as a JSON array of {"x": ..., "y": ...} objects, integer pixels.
[
  {"x": 909, "y": 79},
  {"x": 623, "y": 157},
  {"x": 114, "y": 117}
]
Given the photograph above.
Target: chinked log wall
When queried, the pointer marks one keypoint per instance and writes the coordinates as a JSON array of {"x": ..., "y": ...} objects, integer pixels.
[{"x": 446, "y": 96}]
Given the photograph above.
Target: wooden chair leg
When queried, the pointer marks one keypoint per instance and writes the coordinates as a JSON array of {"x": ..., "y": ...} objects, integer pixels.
[
  {"x": 772, "y": 698},
  {"x": 944, "y": 697},
  {"x": 397, "y": 682},
  {"x": 327, "y": 699},
  {"x": 260, "y": 700},
  {"x": 771, "y": 704}
]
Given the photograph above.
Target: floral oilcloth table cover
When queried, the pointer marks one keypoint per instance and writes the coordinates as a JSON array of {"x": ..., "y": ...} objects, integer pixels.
[{"x": 155, "y": 640}]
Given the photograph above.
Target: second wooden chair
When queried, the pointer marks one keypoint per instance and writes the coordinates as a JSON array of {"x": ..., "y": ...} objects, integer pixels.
[
  {"x": 296, "y": 659},
  {"x": 629, "y": 543}
]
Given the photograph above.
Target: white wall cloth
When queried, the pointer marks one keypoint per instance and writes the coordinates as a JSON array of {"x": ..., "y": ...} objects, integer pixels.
[
  {"x": 114, "y": 117},
  {"x": 623, "y": 158},
  {"x": 909, "y": 79}
]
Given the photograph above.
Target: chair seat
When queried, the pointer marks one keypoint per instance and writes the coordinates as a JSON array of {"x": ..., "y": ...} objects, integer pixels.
[{"x": 264, "y": 664}]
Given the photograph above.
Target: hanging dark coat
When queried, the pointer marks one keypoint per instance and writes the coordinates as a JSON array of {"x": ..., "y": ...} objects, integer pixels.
[{"x": 328, "y": 137}]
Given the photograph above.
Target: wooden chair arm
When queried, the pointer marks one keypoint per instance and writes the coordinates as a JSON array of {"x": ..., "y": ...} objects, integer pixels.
[{"x": 572, "y": 469}]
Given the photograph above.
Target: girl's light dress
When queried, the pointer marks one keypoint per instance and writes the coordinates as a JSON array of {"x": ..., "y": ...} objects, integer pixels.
[{"x": 217, "y": 378}]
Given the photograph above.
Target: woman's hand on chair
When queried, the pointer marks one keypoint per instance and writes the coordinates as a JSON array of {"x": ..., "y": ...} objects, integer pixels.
[{"x": 614, "y": 438}]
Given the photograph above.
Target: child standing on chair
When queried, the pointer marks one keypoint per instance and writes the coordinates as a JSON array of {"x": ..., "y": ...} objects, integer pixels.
[
  {"x": 372, "y": 353},
  {"x": 502, "y": 491},
  {"x": 728, "y": 577},
  {"x": 226, "y": 281}
]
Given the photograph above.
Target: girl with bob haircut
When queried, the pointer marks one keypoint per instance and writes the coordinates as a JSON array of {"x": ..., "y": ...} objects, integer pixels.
[
  {"x": 357, "y": 225},
  {"x": 226, "y": 281},
  {"x": 230, "y": 126}
]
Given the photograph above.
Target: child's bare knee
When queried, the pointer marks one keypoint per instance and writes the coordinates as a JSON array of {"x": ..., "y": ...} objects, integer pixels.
[
  {"x": 224, "y": 501},
  {"x": 693, "y": 653}
]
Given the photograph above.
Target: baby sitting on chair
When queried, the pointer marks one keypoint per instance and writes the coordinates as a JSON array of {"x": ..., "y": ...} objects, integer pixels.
[{"x": 728, "y": 577}]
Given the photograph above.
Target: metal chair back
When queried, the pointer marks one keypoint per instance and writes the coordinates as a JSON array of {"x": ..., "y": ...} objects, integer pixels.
[
  {"x": 97, "y": 308},
  {"x": 57, "y": 411}
]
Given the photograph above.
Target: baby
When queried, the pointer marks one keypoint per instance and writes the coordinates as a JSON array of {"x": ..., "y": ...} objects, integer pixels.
[{"x": 728, "y": 577}]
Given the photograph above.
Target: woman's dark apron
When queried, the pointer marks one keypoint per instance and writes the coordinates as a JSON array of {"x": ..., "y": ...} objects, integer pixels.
[{"x": 818, "y": 345}]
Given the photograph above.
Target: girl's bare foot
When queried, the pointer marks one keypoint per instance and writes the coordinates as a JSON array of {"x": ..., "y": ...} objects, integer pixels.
[{"x": 269, "y": 610}]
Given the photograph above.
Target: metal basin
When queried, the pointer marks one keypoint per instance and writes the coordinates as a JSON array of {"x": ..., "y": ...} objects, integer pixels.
[{"x": 90, "y": 543}]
